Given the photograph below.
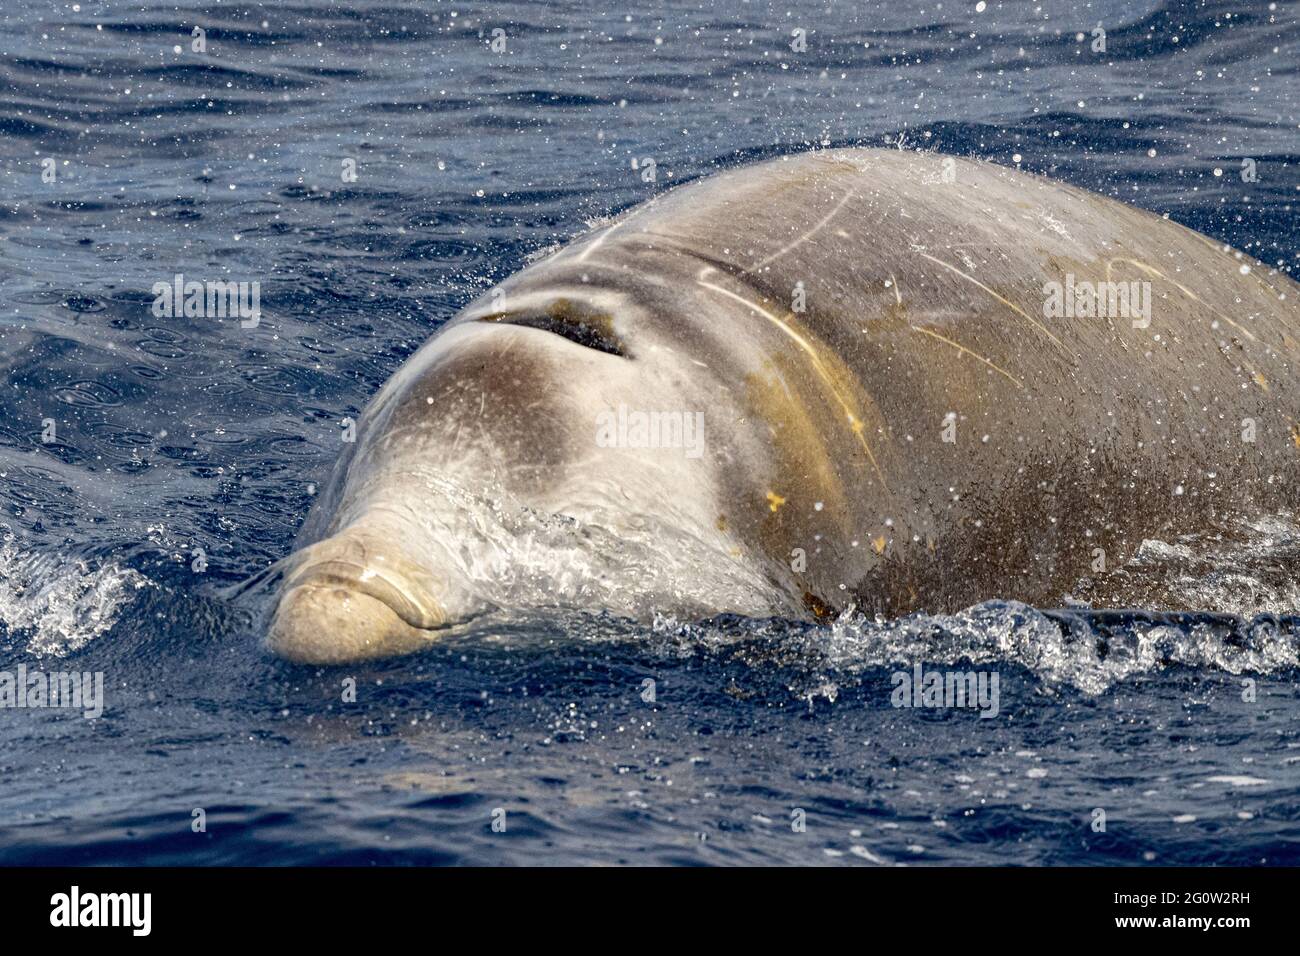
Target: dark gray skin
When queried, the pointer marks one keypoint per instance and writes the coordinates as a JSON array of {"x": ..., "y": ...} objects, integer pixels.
[{"x": 836, "y": 316}]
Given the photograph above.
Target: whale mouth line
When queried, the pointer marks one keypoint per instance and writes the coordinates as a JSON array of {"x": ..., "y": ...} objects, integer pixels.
[{"x": 360, "y": 579}]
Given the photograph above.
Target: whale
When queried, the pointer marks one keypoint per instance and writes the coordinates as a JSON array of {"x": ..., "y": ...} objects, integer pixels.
[{"x": 879, "y": 380}]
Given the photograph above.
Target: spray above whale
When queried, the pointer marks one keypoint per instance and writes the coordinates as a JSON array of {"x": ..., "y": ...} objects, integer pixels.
[{"x": 874, "y": 378}]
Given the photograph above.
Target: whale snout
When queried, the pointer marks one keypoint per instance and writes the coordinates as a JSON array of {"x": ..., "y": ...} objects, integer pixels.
[
  {"x": 349, "y": 599},
  {"x": 335, "y": 625}
]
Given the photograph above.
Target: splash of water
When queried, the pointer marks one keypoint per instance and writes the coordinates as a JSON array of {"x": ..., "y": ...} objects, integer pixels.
[
  {"x": 513, "y": 556},
  {"x": 1089, "y": 651},
  {"x": 1080, "y": 650},
  {"x": 60, "y": 605},
  {"x": 1228, "y": 600}
]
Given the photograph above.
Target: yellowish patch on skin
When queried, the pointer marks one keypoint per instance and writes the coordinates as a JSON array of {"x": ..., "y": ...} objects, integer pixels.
[
  {"x": 836, "y": 379},
  {"x": 879, "y": 544},
  {"x": 721, "y": 523},
  {"x": 1295, "y": 435},
  {"x": 774, "y": 501},
  {"x": 1261, "y": 381},
  {"x": 776, "y": 396}
]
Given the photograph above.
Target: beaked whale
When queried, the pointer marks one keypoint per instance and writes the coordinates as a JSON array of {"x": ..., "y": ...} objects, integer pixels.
[{"x": 913, "y": 382}]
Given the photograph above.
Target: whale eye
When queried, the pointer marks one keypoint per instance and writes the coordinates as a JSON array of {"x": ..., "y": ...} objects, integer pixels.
[{"x": 585, "y": 327}]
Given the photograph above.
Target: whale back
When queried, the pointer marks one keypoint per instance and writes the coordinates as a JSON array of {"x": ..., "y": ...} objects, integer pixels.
[{"x": 941, "y": 421}]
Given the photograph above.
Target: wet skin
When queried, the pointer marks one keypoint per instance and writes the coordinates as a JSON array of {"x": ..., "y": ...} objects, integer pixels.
[{"x": 892, "y": 420}]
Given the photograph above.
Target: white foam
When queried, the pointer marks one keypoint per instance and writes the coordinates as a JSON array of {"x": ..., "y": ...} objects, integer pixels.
[
  {"x": 60, "y": 606},
  {"x": 513, "y": 557},
  {"x": 1238, "y": 780},
  {"x": 989, "y": 634}
]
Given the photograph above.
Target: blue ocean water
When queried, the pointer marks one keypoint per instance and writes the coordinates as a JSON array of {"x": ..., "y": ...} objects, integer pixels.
[{"x": 185, "y": 452}]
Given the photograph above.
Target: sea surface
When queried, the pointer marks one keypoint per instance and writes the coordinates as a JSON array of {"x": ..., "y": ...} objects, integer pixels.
[{"x": 149, "y": 464}]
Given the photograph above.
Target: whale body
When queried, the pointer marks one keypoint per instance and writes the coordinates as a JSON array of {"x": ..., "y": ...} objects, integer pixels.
[{"x": 880, "y": 379}]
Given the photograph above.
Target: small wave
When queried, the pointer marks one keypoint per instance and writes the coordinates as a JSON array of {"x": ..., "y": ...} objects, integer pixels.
[
  {"x": 60, "y": 606},
  {"x": 1088, "y": 650},
  {"x": 1224, "y": 600}
]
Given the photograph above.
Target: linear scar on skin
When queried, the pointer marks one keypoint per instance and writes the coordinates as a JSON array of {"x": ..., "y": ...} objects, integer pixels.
[
  {"x": 975, "y": 355},
  {"x": 898, "y": 300},
  {"x": 806, "y": 236},
  {"x": 1010, "y": 305},
  {"x": 855, "y": 423},
  {"x": 612, "y": 228},
  {"x": 1153, "y": 271},
  {"x": 1256, "y": 376}
]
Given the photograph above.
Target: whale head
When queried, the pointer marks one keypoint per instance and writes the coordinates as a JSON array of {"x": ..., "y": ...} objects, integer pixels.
[{"x": 486, "y": 476}]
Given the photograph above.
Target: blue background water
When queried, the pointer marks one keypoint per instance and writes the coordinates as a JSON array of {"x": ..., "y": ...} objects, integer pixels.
[{"x": 182, "y": 434}]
